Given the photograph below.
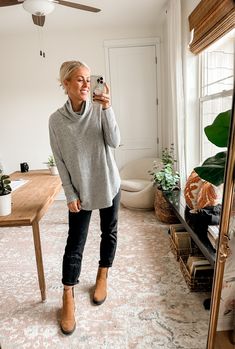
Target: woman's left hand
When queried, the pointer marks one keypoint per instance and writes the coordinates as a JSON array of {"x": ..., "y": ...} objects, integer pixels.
[{"x": 103, "y": 98}]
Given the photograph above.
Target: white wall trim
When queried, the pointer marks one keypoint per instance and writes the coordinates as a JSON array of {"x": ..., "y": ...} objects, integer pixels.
[{"x": 132, "y": 42}]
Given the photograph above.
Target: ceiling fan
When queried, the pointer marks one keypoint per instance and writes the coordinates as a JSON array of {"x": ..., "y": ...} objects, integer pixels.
[{"x": 40, "y": 8}]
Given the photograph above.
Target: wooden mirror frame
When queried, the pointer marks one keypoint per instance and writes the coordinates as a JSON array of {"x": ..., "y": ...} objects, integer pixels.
[{"x": 222, "y": 251}]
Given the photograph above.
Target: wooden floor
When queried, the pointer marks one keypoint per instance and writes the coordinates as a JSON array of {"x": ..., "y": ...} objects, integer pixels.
[{"x": 223, "y": 340}]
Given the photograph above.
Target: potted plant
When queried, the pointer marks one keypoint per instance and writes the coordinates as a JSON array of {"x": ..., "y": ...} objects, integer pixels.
[
  {"x": 212, "y": 169},
  {"x": 5, "y": 194},
  {"x": 52, "y": 165},
  {"x": 165, "y": 178}
]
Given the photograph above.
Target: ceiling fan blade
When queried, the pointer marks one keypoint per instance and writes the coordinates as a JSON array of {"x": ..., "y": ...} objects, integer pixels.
[
  {"x": 38, "y": 20},
  {"x": 78, "y": 6},
  {"x": 9, "y": 2}
]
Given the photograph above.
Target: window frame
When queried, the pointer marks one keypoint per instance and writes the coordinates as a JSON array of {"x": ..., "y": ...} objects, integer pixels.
[{"x": 208, "y": 97}]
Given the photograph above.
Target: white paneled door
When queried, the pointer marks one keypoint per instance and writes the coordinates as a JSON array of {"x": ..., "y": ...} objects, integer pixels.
[{"x": 133, "y": 81}]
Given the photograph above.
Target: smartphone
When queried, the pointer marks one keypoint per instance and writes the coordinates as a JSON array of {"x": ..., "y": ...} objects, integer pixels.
[{"x": 97, "y": 85}]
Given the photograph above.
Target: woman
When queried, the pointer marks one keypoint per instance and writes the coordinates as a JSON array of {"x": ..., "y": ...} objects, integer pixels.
[{"x": 81, "y": 134}]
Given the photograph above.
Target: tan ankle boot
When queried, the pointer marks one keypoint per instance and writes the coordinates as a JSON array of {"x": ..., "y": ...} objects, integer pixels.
[
  {"x": 67, "y": 323},
  {"x": 100, "y": 293}
]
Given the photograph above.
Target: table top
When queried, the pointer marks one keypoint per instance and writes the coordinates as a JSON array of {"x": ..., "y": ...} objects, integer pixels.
[
  {"x": 31, "y": 200},
  {"x": 177, "y": 200}
]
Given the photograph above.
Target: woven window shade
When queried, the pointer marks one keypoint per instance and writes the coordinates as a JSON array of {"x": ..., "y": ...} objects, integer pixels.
[{"x": 210, "y": 20}]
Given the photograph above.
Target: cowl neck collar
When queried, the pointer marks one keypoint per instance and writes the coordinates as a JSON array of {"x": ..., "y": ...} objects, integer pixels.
[{"x": 67, "y": 110}]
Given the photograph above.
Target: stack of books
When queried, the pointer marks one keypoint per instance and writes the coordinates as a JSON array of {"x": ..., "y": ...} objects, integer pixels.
[
  {"x": 181, "y": 238},
  {"x": 182, "y": 241},
  {"x": 199, "y": 267},
  {"x": 213, "y": 235}
]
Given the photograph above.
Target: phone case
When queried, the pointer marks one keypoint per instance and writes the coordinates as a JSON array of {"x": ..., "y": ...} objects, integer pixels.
[{"x": 97, "y": 85}]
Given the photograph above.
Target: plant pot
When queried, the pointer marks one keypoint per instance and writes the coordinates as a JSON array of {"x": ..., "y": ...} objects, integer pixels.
[
  {"x": 5, "y": 205},
  {"x": 163, "y": 209},
  {"x": 53, "y": 170}
]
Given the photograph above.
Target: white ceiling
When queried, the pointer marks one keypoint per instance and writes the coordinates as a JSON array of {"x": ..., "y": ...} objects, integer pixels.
[{"x": 114, "y": 13}]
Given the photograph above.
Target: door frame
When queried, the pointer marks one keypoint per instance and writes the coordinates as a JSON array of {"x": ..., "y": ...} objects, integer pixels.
[{"x": 153, "y": 41}]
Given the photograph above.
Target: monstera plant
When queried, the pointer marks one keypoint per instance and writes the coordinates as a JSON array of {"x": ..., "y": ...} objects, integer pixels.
[{"x": 212, "y": 169}]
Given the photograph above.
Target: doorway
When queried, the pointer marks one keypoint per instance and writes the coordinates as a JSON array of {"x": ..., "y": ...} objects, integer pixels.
[{"x": 132, "y": 69}]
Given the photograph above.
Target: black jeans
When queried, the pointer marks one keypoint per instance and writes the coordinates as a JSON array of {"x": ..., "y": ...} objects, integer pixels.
[{"x": 77, "y": 235}]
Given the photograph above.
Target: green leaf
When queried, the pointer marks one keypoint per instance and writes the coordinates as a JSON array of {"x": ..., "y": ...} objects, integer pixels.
[
  {"x": 3, "y": 177},
  {"x": 7, "y": 181},
  {"x": 212, "y": 169},
  {"x": 8, "y": 188},
  {"x": 218, "y": 131}
]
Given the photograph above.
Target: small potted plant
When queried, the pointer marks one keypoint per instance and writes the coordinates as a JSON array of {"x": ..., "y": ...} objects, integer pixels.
[
  {"x": 5, "y": 194},
  {"x": 52, "y": 165},
  {"x": 165, "y": 178}
]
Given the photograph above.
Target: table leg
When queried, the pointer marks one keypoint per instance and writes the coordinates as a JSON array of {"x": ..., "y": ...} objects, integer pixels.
[{"x": 38, "y": 254}]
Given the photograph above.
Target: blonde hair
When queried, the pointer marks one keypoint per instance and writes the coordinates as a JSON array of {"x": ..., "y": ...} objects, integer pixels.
[{"x": 67, "y": 69}]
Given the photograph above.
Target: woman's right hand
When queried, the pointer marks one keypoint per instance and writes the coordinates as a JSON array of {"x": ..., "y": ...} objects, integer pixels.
[{"x": 74, "y": 206}]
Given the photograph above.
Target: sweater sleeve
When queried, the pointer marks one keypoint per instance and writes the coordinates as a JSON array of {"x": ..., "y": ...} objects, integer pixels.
[
  {"x": 110, "y": 128},
  {"x": 69, "y": 190}
]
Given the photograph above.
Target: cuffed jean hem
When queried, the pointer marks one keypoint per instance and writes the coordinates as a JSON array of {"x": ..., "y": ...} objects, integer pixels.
[
  {"x": 105, "y": 265},
  {"x": 69, "y": 284}
]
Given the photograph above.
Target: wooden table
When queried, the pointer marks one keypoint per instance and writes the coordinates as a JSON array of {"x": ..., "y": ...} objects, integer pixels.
[{"x": 29, "y": 204}]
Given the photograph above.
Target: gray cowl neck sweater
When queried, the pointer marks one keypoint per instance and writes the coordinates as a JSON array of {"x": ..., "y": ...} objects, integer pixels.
[{"x": 81, "y": 143}]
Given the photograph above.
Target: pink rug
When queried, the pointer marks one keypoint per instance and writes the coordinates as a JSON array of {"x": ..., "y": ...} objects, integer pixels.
[{"x": 148, "y": 304}]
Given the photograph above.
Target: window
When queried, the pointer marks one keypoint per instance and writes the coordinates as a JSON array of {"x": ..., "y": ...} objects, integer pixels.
[{"x": 217, "y": 70}]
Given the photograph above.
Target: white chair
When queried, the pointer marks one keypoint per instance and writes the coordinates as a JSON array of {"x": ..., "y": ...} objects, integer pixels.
[{"x": 137, "y": 191}]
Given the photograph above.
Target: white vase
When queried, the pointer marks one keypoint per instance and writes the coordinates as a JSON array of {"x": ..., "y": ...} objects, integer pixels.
[
  {"x": 53, "y": 170},
  {"x": 5, "y": 205}
]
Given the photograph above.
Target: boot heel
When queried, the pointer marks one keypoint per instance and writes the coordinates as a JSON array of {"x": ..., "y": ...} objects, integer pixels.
[
  {"x": 100, "y": 293},
  {"x": 68, "y": 323}
]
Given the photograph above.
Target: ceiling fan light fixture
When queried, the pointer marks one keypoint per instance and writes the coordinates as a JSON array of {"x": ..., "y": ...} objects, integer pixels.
[{"x": 38, "y": 7}]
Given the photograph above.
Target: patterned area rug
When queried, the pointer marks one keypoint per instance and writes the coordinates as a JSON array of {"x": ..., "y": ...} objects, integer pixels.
[{"x": 148, "y": 304}]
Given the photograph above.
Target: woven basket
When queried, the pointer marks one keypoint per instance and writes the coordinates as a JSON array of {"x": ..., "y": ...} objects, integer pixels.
[
  {"x": 199, "y": 284},
  {"x": 163, "y": 209},
  {"x": 185, "y": 252}
]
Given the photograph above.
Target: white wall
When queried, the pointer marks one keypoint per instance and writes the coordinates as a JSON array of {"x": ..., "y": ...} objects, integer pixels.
[{"x": 30, "y": 91}]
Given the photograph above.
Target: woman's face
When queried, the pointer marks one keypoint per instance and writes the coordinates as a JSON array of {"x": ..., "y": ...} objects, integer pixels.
[{"x": 78, "y": 86}]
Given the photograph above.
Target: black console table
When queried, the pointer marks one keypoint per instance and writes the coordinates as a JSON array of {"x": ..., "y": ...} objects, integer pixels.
[{"x": 177, "y": 201}]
